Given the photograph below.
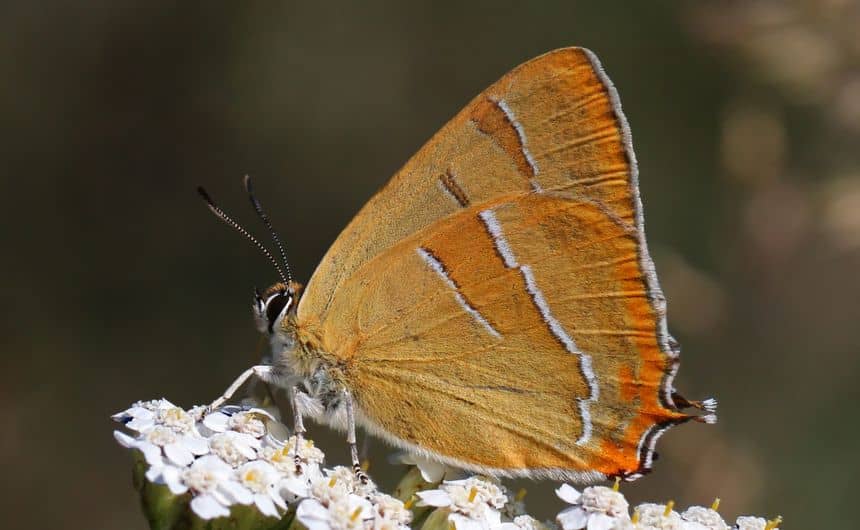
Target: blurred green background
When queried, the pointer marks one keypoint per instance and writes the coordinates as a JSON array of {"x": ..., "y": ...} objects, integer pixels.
[{"x": 119, "y": 285}]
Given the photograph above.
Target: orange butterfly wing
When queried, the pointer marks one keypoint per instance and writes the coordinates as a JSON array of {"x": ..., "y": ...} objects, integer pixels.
[{"x": 494, "y": 304}]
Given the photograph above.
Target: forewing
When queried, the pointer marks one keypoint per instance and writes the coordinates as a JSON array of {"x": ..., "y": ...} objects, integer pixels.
[{"x": 548, "y": 123}]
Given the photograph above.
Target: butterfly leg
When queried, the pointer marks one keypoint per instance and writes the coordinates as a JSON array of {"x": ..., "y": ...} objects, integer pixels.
[
  {"x": 298, "y": 425},
  {"x": 262, "y": 371},
  {"x": 350, "y": 438}
]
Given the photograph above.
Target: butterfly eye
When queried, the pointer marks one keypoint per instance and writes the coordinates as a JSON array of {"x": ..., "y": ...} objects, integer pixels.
[{"x": 275, "y": 305}]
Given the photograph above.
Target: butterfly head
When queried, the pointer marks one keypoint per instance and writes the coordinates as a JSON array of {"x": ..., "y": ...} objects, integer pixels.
[{"x": 274, "y": 307}]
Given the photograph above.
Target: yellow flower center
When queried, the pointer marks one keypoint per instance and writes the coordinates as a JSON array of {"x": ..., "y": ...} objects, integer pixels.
[
  {"x": 280, "y": 455},
  {"x": 773, "y": 523},
  {"x": 473, "y": 493},
  {"x": 668, "y": 510},
  {"x": 174, "y": 414}
]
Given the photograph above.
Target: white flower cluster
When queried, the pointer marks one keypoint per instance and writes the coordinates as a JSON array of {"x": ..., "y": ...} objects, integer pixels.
[
  {"x": 602, "y": 508},
  {"x": 339, "y": 501},
  {"x": 473, "y": 503},
  {"x": 239, "y": 455},
  {"x": 234, "y": 456}
]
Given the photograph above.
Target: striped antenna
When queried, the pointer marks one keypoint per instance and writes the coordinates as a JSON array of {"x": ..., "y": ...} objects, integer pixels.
[
  {"x": 265, "y": 218},
  {"x": 219, "y": 213}
]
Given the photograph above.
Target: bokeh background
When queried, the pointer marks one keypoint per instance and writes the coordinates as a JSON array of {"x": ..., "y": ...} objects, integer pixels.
[{"x": 118, "y": 285}]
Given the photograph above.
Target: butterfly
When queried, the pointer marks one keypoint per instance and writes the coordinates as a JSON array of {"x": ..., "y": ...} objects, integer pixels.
[{"x": 494, "y": 306}]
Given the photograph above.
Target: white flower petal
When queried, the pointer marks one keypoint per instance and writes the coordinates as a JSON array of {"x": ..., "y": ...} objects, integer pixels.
[
  {"x": 492, "y": 517},
  {"x": 438, "y": 498},
  {"x": 152, "y": 453},
  {"x": 206, "y": 507},
  {"x": 568, "y": 494},
  {"x": 134, "y": 413},
  {"x": 747, "y": 522},
  {"x": 431, "y": 470},
  {"x": 312, "y": 508},
  {"x": 261, "y": 466},
  {"x": 125, "y": 440},
  {"x": 198, "y": 446},
  {"x": 573, "y": 518},
  {"x": 277, "y": 433},
  {"x": 295, "y": 487},
  {"x": 221, "y": 497},
  {"x": 140, "y": 412},
  {"x": 253, "y": 444},
  {"x": 356, "y": 502},
  {"x": 141, "y": 425},
  {"x": 172, "y": 477},
  {"x": 316, "y": 524},
  {"x": 313, "y": 515},
  {"x": 154, "y": 475},
  {"x": 277, "y": 498},
  {"x": 265, "y": 505},
  {"x": 600, "y": 521},
  {"x": 215, "y": 464},
  {"x": 461, "y": 522},
  {"x": 217, "y": 421},
  {"x": 178, "y": 454},
  {"x": 237, "y": 492},
  {"x": 121, "y": 416}
]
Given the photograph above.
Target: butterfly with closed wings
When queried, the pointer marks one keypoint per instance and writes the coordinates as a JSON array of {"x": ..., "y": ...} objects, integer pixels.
[{"x": 494, "y": 307}]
